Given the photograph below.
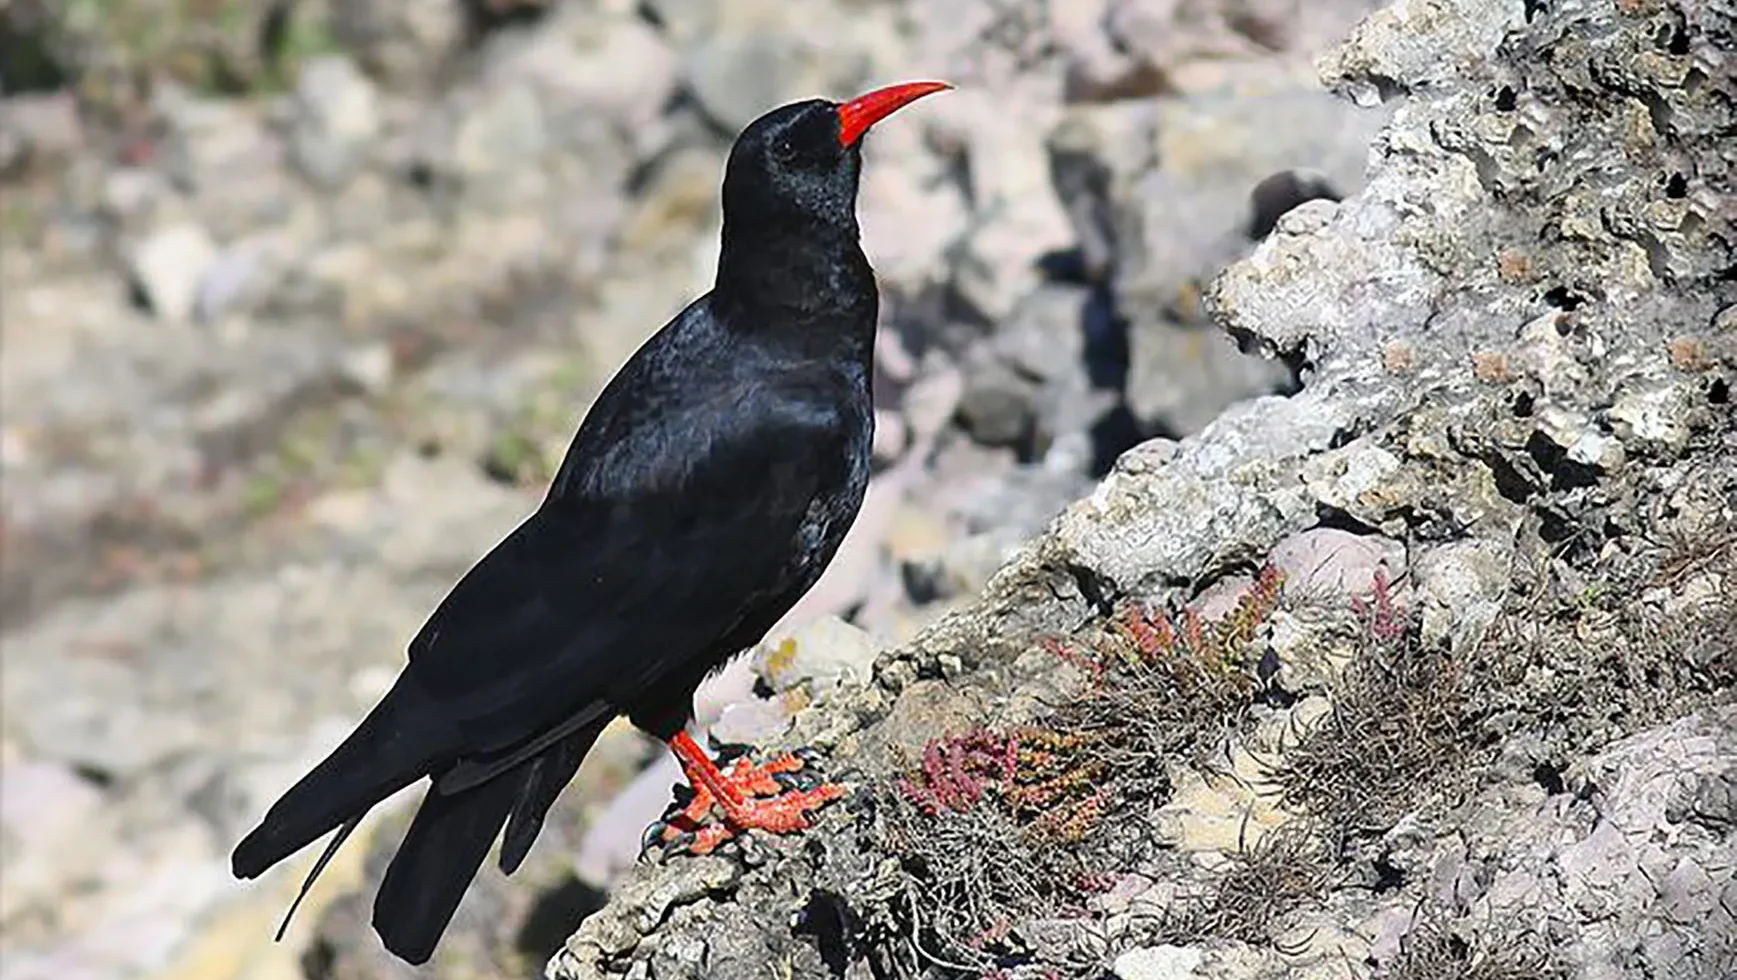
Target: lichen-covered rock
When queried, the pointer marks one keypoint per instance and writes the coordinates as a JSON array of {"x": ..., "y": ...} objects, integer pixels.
[{"x": 1506, "y": 350}]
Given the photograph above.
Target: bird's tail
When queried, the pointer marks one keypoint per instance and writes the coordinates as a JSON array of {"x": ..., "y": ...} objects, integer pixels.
[
  {"x": 393, "y": 747},
  {"x": 451, "y": 835},
  {"x": 545, "y": 777},
  {"x": 440, "y": 854}
]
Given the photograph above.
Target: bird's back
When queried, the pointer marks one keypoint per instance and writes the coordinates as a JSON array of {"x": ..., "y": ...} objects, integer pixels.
[{"x": 703, "y": 494}]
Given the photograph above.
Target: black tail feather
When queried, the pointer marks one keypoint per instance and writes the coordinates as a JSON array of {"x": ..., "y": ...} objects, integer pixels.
[
  {"x": 338, "y": 840},
  {"x": 391, "y": 748},
  {"x": 545, "y": 777},
  {"x": 441, "y": 852}
]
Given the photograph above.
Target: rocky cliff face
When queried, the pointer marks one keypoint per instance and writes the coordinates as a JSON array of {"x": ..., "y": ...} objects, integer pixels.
[
  {"x": 1387, "y": 630},
  {"x": 1423, "y": 670}
]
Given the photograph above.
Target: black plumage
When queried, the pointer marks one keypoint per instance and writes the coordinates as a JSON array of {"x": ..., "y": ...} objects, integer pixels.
[{"x": 705, "y": 492}]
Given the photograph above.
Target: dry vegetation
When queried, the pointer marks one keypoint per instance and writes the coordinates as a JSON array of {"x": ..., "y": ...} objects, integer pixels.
[
  {"x": 996, "y": 829},
  {"x": 999, "y": 828},
  {"x": 1434, "y": 951},
  {"x": 1397, "y": 725}
]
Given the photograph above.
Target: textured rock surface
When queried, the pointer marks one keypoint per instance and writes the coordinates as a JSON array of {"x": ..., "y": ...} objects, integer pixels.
[{"x": 1516, "y": 355}]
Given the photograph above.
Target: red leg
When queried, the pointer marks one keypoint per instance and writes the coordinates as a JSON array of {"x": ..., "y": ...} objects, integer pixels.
[{"x": 751, "y": 797}]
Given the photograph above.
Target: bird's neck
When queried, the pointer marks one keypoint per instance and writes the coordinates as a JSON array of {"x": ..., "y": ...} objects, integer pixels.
[{"x": 815, "y": 284}]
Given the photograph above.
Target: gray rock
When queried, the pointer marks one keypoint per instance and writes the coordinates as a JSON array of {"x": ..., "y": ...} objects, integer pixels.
[
  {"x": 1460, "y": 587},
  {"x": 1174, "y": 189},
  {"x": 337, "y": 114},
  {"x": 499, "y": 134},
  {"x": 1182, "y": 377},
  {"x": 592, "y": 60},
  {"x": 405, "y": 44},
  {"x": 997, "y": 406},
  {"x": 369, "y": 367},
  {"x": 1016, "y": 219},
  {"x": 742, "y": 58},
  {"x": 38, "y": 131}
]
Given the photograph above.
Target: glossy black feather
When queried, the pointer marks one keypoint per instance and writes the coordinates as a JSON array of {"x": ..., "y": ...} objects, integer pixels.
[
  {"x": 439, "y": 856},
  {"x": 704, "y": 493}
]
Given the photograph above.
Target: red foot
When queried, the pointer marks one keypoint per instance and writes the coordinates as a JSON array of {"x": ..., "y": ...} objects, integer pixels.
[{"x": 751, "y": 797}]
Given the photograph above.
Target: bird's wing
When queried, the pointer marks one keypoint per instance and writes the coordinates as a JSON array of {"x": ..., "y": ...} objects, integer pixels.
[{"x": 656, "y": 550}]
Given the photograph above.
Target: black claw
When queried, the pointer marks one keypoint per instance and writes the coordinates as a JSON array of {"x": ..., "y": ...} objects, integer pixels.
[
  {"x": 652, "y": 838},
  {"x": 683, "y": 794},
  {"x": 748, "y": 850},
  {"x": 807, "y": 753},
  {"x": 800, "y": 781},
  {"x": 728, "y": 752},
  {"x": 860, "y": 803}
]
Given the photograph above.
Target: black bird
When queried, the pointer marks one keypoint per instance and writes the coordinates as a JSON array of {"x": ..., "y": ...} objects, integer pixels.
[{"x": 706, "y": 490}]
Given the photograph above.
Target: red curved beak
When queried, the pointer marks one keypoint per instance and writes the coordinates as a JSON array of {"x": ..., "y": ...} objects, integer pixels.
[{"x": 856, "y": 116}]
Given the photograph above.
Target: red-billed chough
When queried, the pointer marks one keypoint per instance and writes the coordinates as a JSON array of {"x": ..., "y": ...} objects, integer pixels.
[{"x": 706, "y": 490}]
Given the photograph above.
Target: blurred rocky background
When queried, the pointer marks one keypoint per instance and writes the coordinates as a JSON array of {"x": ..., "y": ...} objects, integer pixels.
[{"x": 301, "y": 301}]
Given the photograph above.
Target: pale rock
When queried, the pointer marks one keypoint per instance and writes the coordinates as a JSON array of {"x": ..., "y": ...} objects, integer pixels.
[
  {"x": 1158, "y": 963},
  {"x": 1330, "y": 563},
  {"x": 757, "y": 720},
  {"x": 167, "y": 267},
  {"x": 370, "y": 367},
  {"x": 816, "y": 656},
  {"x": 1653, "y": 417},
  {"x": 1459, "y": 586}
]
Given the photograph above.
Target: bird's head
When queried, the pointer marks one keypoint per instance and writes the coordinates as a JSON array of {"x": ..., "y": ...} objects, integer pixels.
[{"x": 799, "y": 162}]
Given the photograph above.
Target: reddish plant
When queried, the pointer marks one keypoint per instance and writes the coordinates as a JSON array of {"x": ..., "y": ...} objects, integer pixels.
[
  {"x": 1090, "y": 665},
  {"x": 1378, "y": 612},
  {"x": 956, "y": 770}
]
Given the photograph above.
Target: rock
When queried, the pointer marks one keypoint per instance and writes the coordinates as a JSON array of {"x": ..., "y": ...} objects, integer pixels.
[
  {"x": 757, "y": 720},
  {"x": 245, "y": 275},
  {"x": 167, "y": 267},
  {"x": 404, "y": 44},
  {"x": 41, "y": 810},
  {"x": 930, "y": 402},
  {"x": 1329, "y": 564},
  {"x": 1183, "y": 180},
  {"x": 742, "y": 58},
  {"x": 913, "y": 207},
  {"x": 1016, "y": 218},
  {"x": 1459, "y": 586},
  {"x": 1656, "y": 418},
  {"x": 1181, "y": 378},
  {"x": 37, "y": 131},
  {"x": 370, "y": 368},
  {"x": 1158, "y": 963},
  {"x": 593, "y": 60},
  {"x": 997, "y": 407},
  {"x": 498, "y": 134},
  {"x": 817, "y": 656},
  {"x": 337, "y": 114}
]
